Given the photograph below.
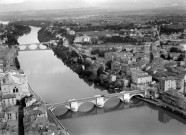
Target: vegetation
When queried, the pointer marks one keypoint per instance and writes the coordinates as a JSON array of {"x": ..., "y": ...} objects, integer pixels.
[
  {"x": 17, "y": 63},
  {"x": 175, "y": 50},
  {"x": 14, "y": 31},
  {"x": 170, "y": 29},
  {"x": 99, "y": 52},
  {"x": 37, "y": 23},
  {"x": 45, "y": 36}
]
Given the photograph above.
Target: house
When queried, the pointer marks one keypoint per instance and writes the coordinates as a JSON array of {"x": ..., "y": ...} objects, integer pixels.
[
  {"x": 112, "y": 78},
  {"x": 167, "y": 83},
  {"x": 153, "y": 92},
  {"x": 71, "y": 32},
  {"x": 82, "y": 39},
  {"x": 115, "y": 66},
  {"x": 125, "y": 82},
  {"x": 30, "y": 100},
  {"x": 140, "y": 77},
  {"x": 11, "y": 114}
]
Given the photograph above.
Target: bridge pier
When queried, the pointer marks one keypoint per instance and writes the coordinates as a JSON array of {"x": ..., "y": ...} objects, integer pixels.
[
  {"x": 99, "y": 101},
  {"x": 127, "y": 97},
  {"x": 74, "y": 106}
]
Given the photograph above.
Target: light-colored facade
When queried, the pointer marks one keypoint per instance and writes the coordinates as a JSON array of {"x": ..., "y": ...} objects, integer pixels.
[
  {"x": 8, "y": 100},
  {"x": 15, "y": 83},
  {"x": 82, "y": 39},
  {"x": 140, "y": 77},
  {"x": 167, "y": 83}
]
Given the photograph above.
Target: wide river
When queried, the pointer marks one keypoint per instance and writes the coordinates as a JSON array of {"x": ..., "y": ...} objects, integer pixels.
[{"x": 55, "y": 82}]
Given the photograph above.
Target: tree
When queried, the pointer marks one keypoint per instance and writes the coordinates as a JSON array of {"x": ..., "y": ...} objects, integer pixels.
[
  {"x": 100, "y": 70},
  {"x": 175, "y": 49},
  {"x": 162, "y": 56},
  {"x": 60, "y": 43},
  {"x": 108, "y": 64},
  {"x": 181, "y": 57}
]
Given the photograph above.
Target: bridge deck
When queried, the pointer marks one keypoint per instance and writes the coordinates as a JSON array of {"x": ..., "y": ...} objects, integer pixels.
[{"x": 34, "y": 44}]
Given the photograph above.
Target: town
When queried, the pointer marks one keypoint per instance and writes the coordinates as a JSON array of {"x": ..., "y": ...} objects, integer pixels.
[{"x": 147, "y": 56}]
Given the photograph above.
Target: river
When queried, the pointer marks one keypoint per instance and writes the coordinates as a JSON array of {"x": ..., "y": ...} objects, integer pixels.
[{"x": 55, "y": 82}]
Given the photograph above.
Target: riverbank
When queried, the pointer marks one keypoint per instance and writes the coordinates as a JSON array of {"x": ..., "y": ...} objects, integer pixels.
[
  {"x": 166, "y": 106},
  {"x": 14, "y": 31},
  {"x": 85, "y": 69}
]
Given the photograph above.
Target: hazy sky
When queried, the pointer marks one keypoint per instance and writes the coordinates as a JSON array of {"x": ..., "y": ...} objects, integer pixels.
[{"x": 12, "y": 5}]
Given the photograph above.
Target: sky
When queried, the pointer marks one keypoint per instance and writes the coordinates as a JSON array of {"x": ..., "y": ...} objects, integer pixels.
[{"x": 21, "y": 5}]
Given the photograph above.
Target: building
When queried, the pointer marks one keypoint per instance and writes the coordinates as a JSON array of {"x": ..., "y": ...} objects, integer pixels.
[
  {"x": 8, "y": 100},
  {"x": 167, "y": 83},
  {"x": 83, "y": 39},
  {"x": 118, "y": 56},
  {"x": 12, "y": 114},
  {"x": 14, "y": 83},
  {"x": 140, "y": 77},
  {"x": 30, "y": 100},
  {"x": 115, "y": 66},
  {"x": 113, "y": 78},
  {"x": 1, "y": 65}
]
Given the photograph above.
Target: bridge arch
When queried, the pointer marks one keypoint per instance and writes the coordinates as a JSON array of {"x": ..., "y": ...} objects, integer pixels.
[
  {"x": 60, "y": 111},
  {"x": 133, "y": 95},
  {"x": 112, "y": 99},
  {"x": 22, "y": 47},
  {"x": 42, "y": 47},
  {"x": 88, "y": 102}
]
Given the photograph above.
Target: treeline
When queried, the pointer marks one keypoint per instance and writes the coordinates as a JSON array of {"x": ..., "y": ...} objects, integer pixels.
[
  {"x": 44, "y": 35},
  {"x": 90, "y": 27},
  {"x": 170, "y": 29},
  {"x": 127, "y": 39},
  {"x": 36, "y": 23},
  {"x": 14, "y": 31},
  {"x": 20, "y": 30}
]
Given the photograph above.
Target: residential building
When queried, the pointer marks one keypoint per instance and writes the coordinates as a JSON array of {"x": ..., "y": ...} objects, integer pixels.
[
  {"x": 140, "y": 77},
  {"x": 115, "y": 66},
  {"x": 82, "y": 39},
  {"x": 12, "y": 114},
  {"x": 167, "y": 83},
  {"x": 30, "y": 100},
  {"x": 113, "y": 78}
]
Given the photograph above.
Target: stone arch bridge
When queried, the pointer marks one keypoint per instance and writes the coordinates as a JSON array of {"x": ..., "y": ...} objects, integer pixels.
[
  {"x": 98, "y": 100},
  {"x": 34, "y": 46}
]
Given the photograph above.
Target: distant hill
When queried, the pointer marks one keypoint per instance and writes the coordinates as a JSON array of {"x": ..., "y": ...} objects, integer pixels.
[
  {"x": 171, "y": 10},
  {"x": 49, "y": 14},
  {"x": 84, "y": 12}
]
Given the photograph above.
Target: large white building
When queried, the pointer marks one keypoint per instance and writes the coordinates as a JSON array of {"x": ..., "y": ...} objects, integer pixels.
[
  {"x": 82, "y": 39},
  {"x": 167, "y": 83},
  {"x": 14, "y": 83},
  {"x": 140, "y": 77}
]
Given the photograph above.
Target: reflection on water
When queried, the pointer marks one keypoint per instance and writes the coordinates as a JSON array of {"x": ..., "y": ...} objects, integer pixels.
[{"x": 64, "y": 113}]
